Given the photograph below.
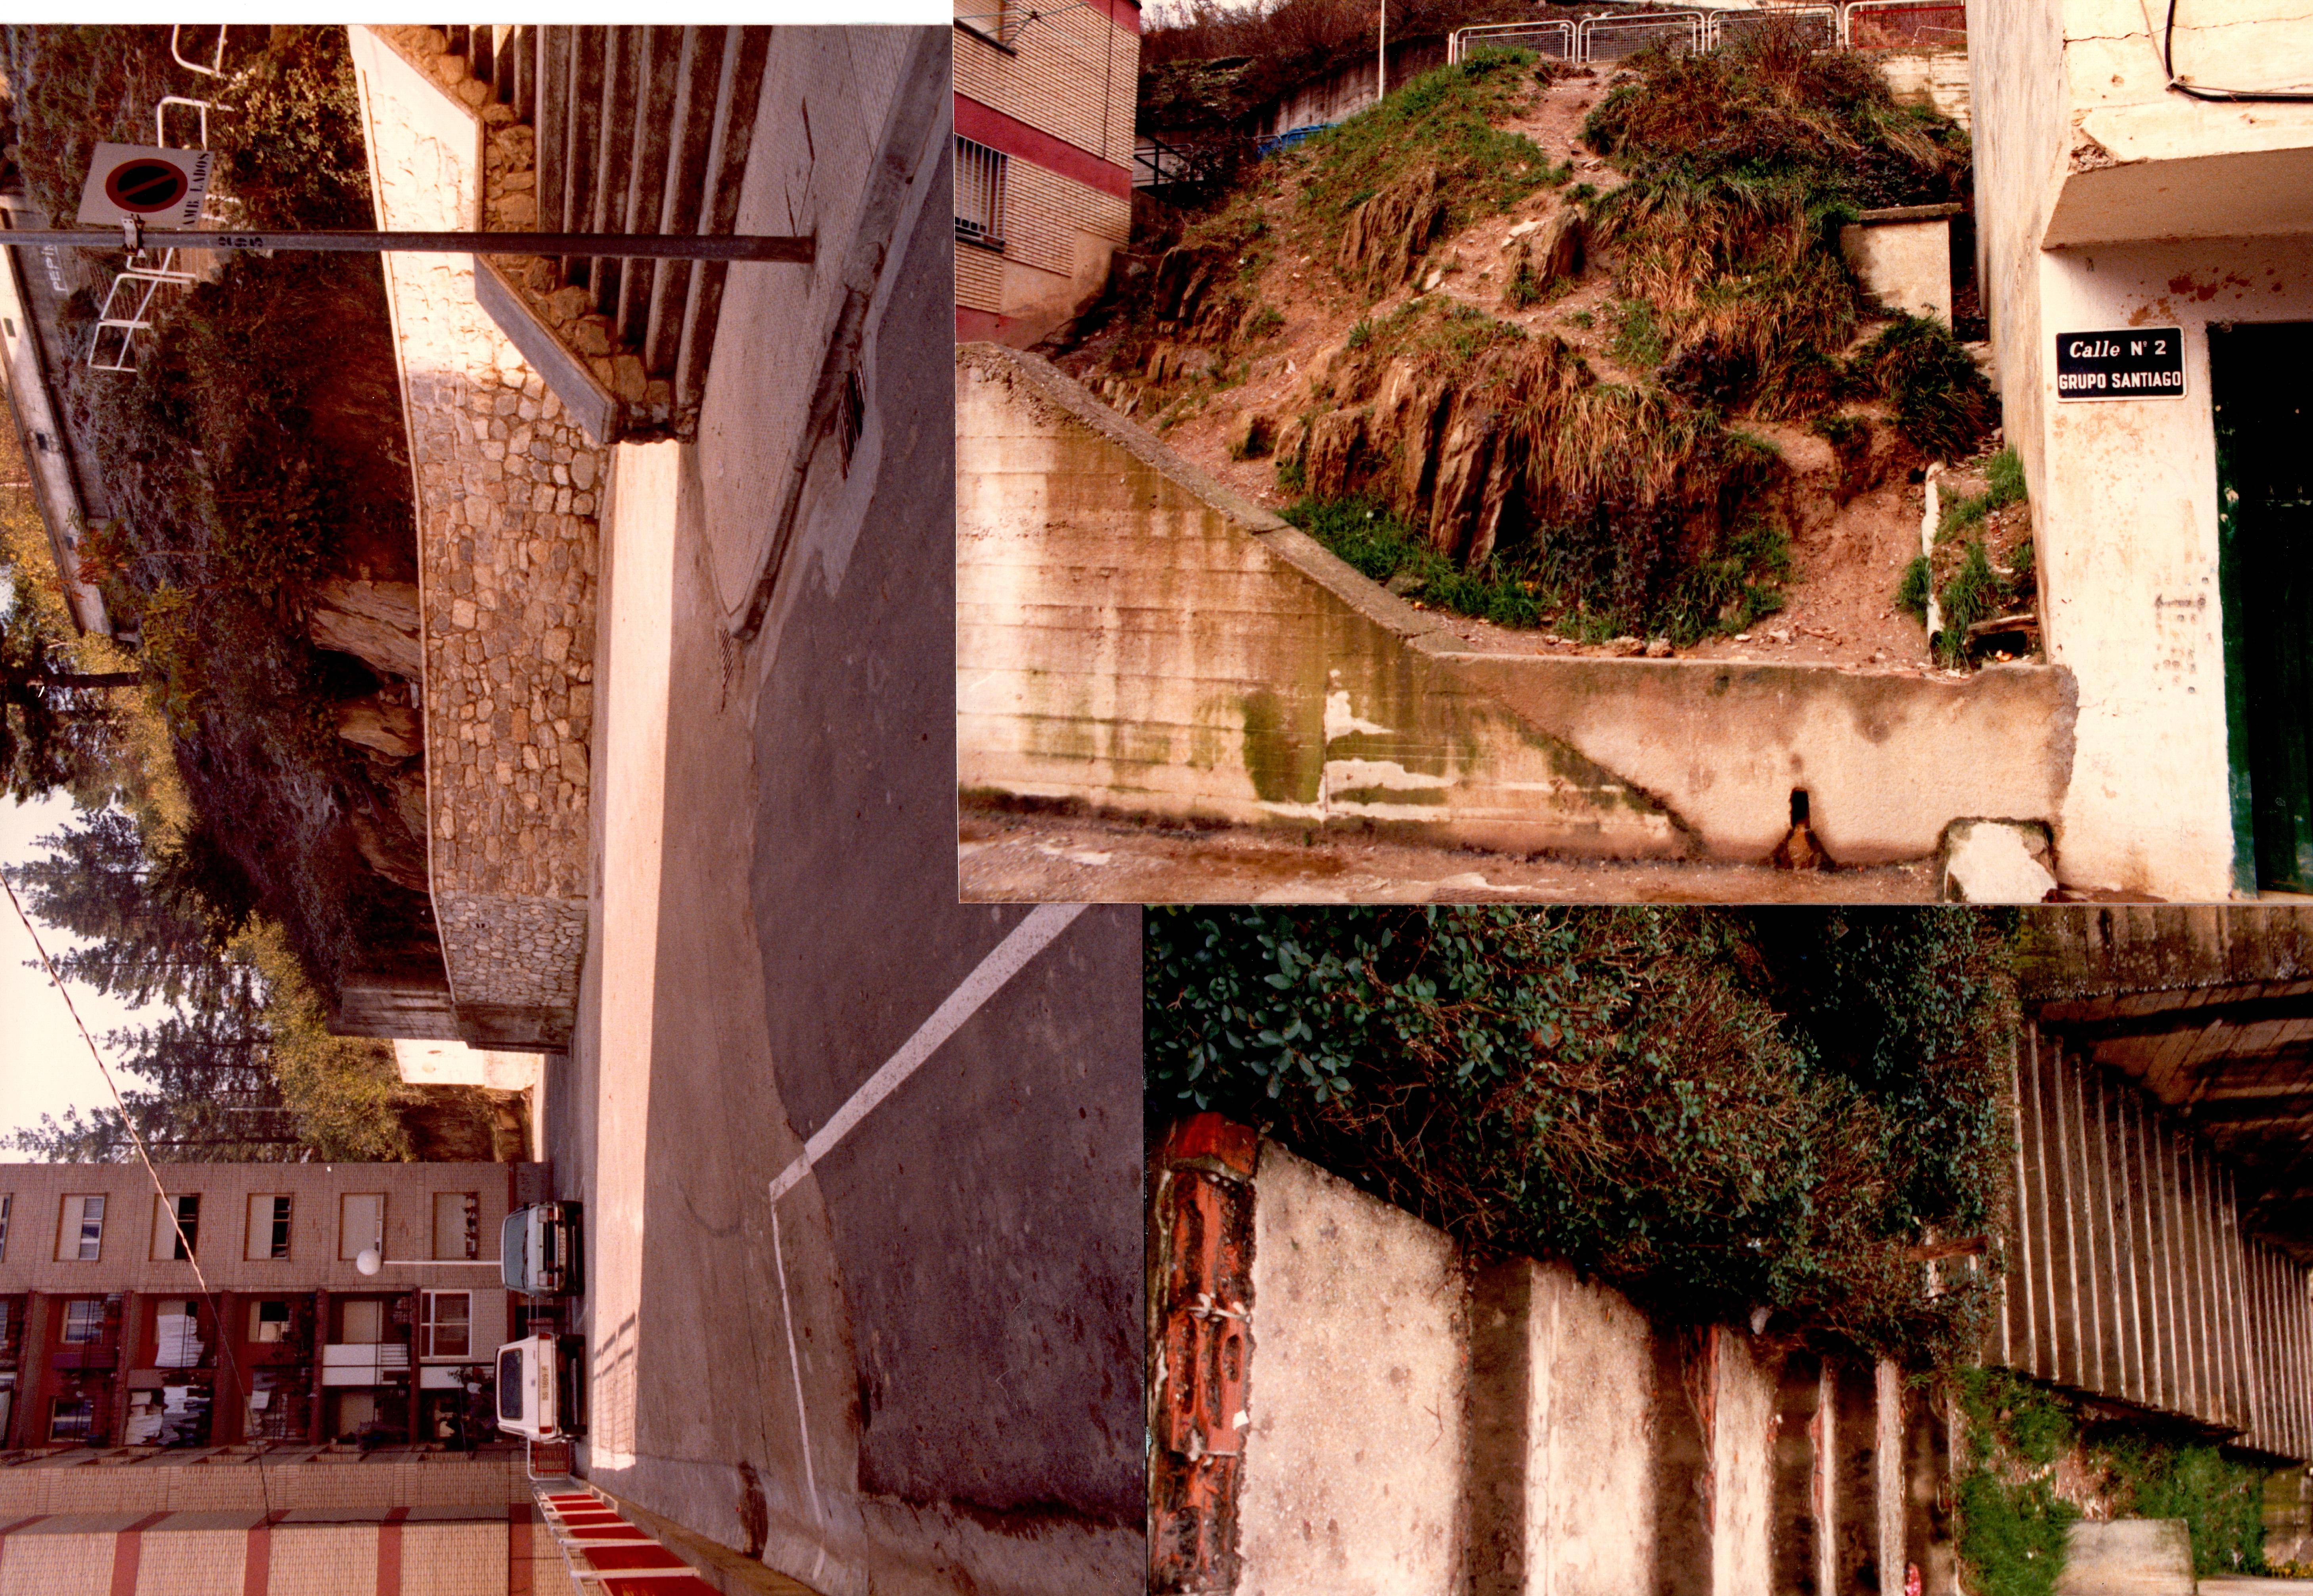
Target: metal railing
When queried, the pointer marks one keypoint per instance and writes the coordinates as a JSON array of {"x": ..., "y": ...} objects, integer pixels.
[
  {"x": 1820, "y": 24},
  {"x": 1902, "y": 24},
  {"x": 147, "y": 272},
  {"x": 1544, "y": 39},
  {"x": 1856, "y": 24},
  {"x": 1612, "y": 38}
]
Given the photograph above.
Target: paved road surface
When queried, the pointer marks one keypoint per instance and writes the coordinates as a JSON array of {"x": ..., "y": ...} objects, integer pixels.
[{"x": 921, "y": 1366}]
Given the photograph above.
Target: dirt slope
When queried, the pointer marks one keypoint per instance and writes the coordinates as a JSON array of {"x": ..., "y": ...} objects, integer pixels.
[{"x": 1854, "y": 526}]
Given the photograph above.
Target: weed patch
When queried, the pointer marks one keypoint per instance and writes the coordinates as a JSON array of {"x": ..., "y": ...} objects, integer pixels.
[
  {"x": 1441, "y": 125},
  {"x": 2013, "y": 1520},
  {"x": 1367, "y": 536},
  {"x": 1940, "y": 399},
  {"x": 1742, "y": 165}
]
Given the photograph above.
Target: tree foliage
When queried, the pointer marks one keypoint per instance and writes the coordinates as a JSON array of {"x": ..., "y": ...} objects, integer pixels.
[
  {"x": 56, "y": 721},
  {"x": 1716, "y": 1111}
]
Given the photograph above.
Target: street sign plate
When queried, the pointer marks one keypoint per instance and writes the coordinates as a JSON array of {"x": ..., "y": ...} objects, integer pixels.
[
  {"x": 162, "y": 188},
  {"x": 2133, "y": 363}
]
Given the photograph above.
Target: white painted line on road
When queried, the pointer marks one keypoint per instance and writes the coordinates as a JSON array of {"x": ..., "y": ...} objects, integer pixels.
[
  {"x": 1029, "y": 938},
  {"x": 795, "y": 1369}
]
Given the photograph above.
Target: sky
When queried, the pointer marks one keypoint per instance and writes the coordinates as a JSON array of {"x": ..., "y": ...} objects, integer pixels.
[{"x": 44, "y": 1065}]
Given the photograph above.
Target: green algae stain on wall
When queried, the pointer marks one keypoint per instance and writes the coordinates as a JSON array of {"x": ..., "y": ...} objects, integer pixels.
[{"x": 1286, "y": 763}]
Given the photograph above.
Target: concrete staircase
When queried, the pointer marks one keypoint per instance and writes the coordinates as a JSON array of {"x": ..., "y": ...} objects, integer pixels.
[
  {"x": 2129, "y": 1273},
  {"x": 608, "y": 130}
]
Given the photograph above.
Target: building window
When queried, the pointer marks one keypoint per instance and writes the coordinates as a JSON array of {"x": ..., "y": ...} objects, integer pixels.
[
  {"x": 83, "y": 1322},
  {"x": 980, "y": 193},
  {"x": 457, "y": 1225},
  {"x": 176, "y": 1226},
  {"x": 269, "y": 1321},
  {"x": 447, "y": 1330},
  {"x": 79, "y": 1238},
  {"x": 268, "y": 1227},
  {"x": 995, "y": 20},
  {"x": 7, "y": 1203},
  {"x": 361, "y": 1222},
  {"x": 71, "y": 1418}
]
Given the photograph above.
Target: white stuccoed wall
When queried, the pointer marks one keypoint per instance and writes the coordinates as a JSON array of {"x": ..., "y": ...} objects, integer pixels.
[
  {"x": 1354, "y": 1465},
  {"x": 2124, "y": 492},
  {"x": 1363, "y": 1469},
  {"x": 2126, "y": 519}
]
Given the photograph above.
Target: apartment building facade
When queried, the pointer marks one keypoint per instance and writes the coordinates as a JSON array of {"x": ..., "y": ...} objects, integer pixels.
[
  {"x": 1044, "y": 101},
  {"x": 107, "y": 1337},
  {"x": 2145, "y": 245}
]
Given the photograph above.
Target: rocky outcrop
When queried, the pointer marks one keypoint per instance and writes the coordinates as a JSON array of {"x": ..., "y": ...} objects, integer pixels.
[
  {"x": 390, "y": 727},
  {"x": 1191, "y": 295},
  {"x": 376, "y": 622},
  {"x": 1386, "y": 237}
]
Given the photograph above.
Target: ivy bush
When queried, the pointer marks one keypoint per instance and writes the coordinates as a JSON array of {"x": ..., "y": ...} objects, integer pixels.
[{"x": 1716, "y": 1111}]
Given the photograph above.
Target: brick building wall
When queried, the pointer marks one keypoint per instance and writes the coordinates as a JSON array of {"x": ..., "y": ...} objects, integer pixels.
[
  {"x": 1054, "y": 94},
  {"x": 482, "y": 1550},
  {"x": 85, "y": 1345},
  {"x": 509, "y": 493}
]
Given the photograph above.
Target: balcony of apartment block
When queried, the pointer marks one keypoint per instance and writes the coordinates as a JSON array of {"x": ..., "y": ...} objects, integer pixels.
[{"x": 2178, "y": 122}]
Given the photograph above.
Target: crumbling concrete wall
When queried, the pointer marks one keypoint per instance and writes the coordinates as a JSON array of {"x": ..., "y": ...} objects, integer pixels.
[
  {"x": 1133, "y": 638},
  {"x": 508, "y": 500},
  {"x": 1934, "y": 78}
]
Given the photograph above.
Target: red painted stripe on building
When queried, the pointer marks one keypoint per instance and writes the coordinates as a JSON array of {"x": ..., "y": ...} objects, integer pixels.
[
  {"x": 1124, "y": 14},
  {"x": 257, "y": 1559},
  {"x": 128, "y": 1550},
  {"x": 984, "y": 124},
  {"x": 389, "y": 1552},
  {"x": 973, "y": 326},
  {"x": 520, "y": 1517},
  {"x": 679, "y": 1585},
  {"x": 650, "y": 1555}
]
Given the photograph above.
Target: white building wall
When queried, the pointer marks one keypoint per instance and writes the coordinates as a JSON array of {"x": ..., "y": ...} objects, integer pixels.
[
  {"x": 2076, "y": 133},
  {"x": 2127, "y": 529}
]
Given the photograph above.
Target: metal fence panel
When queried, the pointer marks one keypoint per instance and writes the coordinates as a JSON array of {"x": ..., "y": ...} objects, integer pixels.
[
  {"x": 1545, "y": 38},
  {"x": 1905, "y": 25},
  {"x": 1817, "y": 24},
  {"x": 1612, "y": 38}
]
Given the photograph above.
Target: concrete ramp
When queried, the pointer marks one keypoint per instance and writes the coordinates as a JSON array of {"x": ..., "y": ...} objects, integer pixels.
[{"x": 1134, "y": 638}]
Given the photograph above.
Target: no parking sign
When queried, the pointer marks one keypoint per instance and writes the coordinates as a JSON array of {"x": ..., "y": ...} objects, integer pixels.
[{"x": 161, "y": 187}]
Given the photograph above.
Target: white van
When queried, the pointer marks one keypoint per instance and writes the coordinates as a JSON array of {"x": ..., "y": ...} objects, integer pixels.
[{"x": 540, "y": 1388}]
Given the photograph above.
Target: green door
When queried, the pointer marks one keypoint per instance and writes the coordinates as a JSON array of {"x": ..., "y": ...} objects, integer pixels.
[{"x": 2265, "y": 498}]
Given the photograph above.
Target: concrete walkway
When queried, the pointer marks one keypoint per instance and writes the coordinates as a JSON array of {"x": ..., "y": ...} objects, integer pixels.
[{"x": 861, "y": 1165}]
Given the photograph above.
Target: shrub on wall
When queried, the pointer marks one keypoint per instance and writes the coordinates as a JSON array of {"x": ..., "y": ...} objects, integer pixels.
[{"x": 1717, "y": 1112}]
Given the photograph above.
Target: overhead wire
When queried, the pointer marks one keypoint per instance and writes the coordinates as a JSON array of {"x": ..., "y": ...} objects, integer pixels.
[{"x": 2219, "y": 96}]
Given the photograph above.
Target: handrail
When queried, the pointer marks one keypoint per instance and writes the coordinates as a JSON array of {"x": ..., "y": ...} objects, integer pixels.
[{"x": 215, "y": 68}]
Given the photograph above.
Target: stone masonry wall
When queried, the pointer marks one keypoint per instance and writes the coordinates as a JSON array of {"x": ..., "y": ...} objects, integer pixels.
[{"x": 508, "y": 491}]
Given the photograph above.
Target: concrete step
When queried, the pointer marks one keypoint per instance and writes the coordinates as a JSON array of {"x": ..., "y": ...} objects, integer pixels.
[{"x": 635, "y": 129}]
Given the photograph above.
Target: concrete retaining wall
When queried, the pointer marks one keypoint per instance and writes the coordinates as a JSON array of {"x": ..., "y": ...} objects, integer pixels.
[
  {"x": 1134, "y": 637},
  {"x": 508, "y": 496},
  {"x": 1419, "y": 1427},
  {"x": 1355, "y": 1461}
]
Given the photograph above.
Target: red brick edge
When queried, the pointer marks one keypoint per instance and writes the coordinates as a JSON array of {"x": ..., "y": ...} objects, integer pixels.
[{"x": 1200, "y": 1350}]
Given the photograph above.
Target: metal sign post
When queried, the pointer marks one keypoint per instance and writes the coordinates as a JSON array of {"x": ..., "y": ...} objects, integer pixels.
[{"x": 129, "y": 185}]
